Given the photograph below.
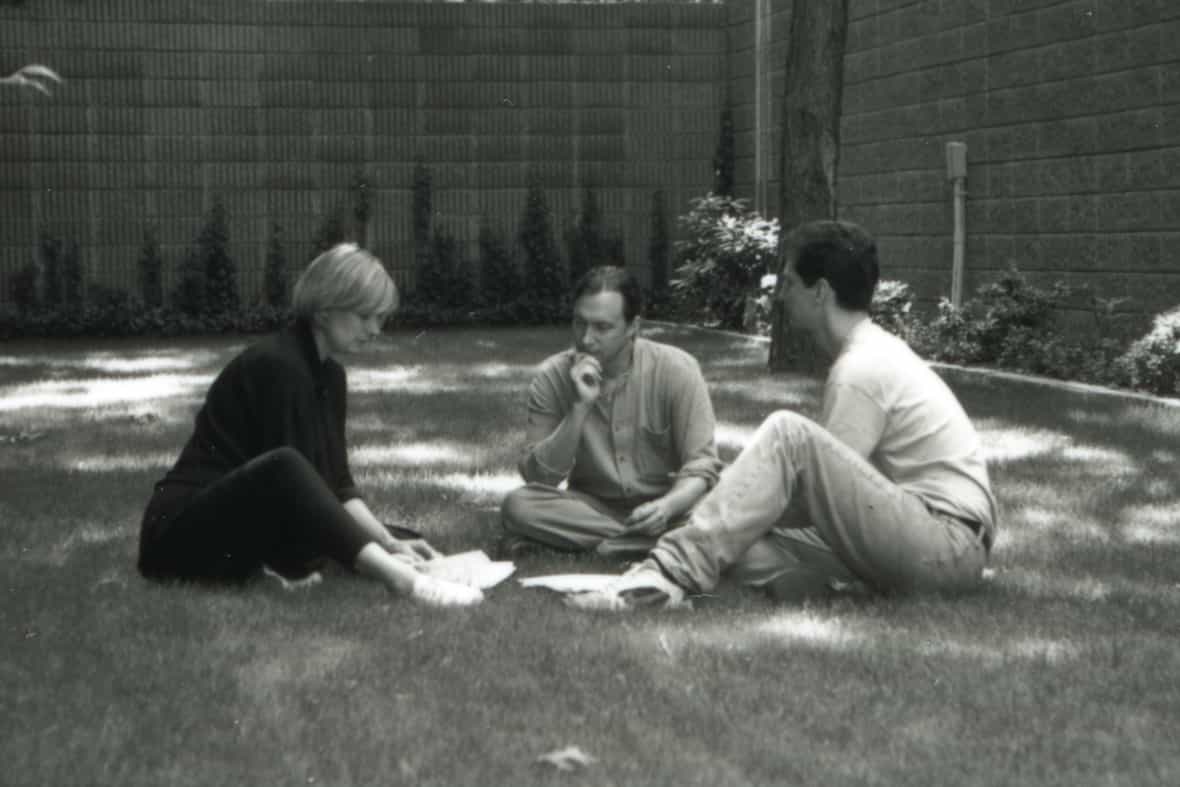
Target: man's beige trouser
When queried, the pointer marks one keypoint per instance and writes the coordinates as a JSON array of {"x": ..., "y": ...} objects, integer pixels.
[
  {"x": 572, "y": 521},
  {"x": 798, "y": 509}
]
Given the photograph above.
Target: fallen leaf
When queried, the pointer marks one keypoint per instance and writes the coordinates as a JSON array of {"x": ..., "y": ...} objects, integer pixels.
[{"x": 568, "y": 759}]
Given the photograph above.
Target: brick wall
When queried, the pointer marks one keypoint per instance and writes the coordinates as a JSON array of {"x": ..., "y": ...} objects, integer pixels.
[
  {"x": 275, "y": 106},
  {"x": 745, "y": 57},
  {"x": 1069, "y": 108},
  {"x": 1071, "y": 113}
]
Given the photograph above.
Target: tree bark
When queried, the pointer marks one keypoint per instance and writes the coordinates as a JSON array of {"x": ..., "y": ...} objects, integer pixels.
[{"x": 811, "y": 143}]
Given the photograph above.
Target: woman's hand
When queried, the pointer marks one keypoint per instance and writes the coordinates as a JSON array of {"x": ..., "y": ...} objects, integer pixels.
[{"x": 412, "y": 551}]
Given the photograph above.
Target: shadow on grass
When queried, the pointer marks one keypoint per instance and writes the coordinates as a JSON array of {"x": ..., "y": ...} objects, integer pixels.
[{"x": 1063, "y": 671}]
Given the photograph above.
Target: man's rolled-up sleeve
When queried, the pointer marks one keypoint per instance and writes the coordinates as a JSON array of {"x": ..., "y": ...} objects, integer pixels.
[
  {"x": 695, "y": 426},
  {"x": 544, "y": 416}
]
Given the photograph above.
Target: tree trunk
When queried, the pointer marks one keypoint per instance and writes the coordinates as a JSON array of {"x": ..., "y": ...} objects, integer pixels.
[{"x": 811, "y": 143}]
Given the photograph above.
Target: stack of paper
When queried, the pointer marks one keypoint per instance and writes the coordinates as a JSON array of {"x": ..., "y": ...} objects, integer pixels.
[
  {"x": 570, "y": 583},
  {"x": 474, "y": 568}
]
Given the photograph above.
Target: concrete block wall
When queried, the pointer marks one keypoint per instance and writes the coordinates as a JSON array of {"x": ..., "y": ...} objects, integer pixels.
[
  {"x": 276, "y": 106},
  {"x": 744, "y": 57},
  {"x": 1071, "y": 113}
]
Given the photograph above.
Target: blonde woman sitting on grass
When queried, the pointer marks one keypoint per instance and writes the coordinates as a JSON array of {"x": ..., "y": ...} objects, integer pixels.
[{"x": 264, "y": 483}]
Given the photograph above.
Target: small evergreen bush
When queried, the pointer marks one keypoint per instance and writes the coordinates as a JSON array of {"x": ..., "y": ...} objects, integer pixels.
[
  {"x": 362, "y": 206},
  {"x": 499, "y": 275},
  {"x": 276, "y": 277},
  {"x": 73, "y": 275},
  {"x": 446, "y": 281},
  {"x": 52, "y": 251},
  {"x": 332, "y": 230},
  {"x": 589, "y": 243},
  {"x": 658, "y": 252},
  {"x": 151, "y": 270},
  {"x": 221, "y": 270},
  {"x": 423, "y": 221},
  {"x": 545, "y": 276},
  {"x": 24, "y": 289}
]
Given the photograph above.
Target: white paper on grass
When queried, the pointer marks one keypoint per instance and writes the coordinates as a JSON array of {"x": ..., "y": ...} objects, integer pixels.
[
  {"x": 570, "y": 583},
  {"x": 473, "y": 568}
]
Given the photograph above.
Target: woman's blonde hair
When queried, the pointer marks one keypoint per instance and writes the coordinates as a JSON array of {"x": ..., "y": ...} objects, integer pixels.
[{"x": 344, "y": 278}]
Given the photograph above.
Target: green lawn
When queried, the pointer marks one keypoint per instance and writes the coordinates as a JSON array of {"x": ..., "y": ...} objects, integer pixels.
[{"x": 1066, "y": 671}]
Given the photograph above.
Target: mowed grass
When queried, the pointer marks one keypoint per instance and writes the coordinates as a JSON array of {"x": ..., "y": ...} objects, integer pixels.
[{"x": 1065, "y": 671}]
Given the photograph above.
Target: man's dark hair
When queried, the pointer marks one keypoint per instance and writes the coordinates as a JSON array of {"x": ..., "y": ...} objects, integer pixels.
[
  {"x": 843, "y": 253},
  {"x": 612, "y": 278}
]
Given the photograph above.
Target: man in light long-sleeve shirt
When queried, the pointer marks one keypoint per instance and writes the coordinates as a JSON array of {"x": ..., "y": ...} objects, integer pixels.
[
  {"x": 889, "y": 489},
  {"x": 626, "y": 422}
]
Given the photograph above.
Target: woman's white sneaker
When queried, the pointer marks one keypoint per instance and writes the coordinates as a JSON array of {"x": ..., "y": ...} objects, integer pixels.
[{"x": 441, "y": 593}]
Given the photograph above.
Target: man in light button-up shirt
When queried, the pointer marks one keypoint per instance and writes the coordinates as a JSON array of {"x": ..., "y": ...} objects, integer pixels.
[{"x": 625, "y": 422}]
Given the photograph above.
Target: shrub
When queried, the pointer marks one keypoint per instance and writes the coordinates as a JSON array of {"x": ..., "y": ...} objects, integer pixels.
[
  {"x": 361, "y": 206},
  {"x": 221, "y": 270},
  {"x": 1000, "y": 319},
  {"x": 151, "y": 270},
  {"x": 1152, "y": 363},
  {"x": 446, "y": 281},
  {"x": 545, "y": 280},
  {"x": 499, "y": 276},
  {"x": 588, "y": 242},
  {"x": 893, "y": 302},
  {"x": 72, "y": 274},
  {"x": 423, "y": 219},
  {"x": 276, "y": 280},
  {"x": 188, "y": 297},
  {"x": 52, "y": 251},
  {"x": 332, "y": 230},
  {"x": 113, "y": 312},
  {"x": 24, "y": 289},
  {"x": 727, "y": 249},
  {"x": 658, "y": 249}
]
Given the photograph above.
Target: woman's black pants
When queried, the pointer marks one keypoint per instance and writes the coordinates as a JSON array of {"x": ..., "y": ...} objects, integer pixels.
[{"x": 275, "y": 510}]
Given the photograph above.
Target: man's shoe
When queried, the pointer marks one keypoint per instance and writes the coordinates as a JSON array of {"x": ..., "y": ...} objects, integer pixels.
[{"x": 642, "y": 586}]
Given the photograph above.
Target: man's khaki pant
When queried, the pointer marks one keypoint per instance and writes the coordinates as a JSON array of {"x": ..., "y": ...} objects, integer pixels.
[
  {"x": 572, "y": 521},
  {"x": 798, "y": 509}
]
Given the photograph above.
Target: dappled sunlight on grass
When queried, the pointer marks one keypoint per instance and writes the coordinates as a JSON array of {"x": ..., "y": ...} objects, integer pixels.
[
  {"x": 1050, "y": 651},
  {"x": 1045, "y": 583},
  {"x": 1009, "y": 444},
  {"x": 476, "y": 487},
  {"x": 116, "y": 363},
  {"x": 1054, "y": 524},
  {"x": 805, "y": 626},
  {"x": 416, "y": 454},
  {"x": 390, "y": 377},
  {"x": 155, "y": 461},
  {"x": 817, "y": 629},
  {"x": 1151, "y": 524},
  {"x": 501, "y": 371},
  {"x": 1111, "y": 460},
  {"x": 1062, "y": 670},
  {"x": 97, "y": 392}
]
